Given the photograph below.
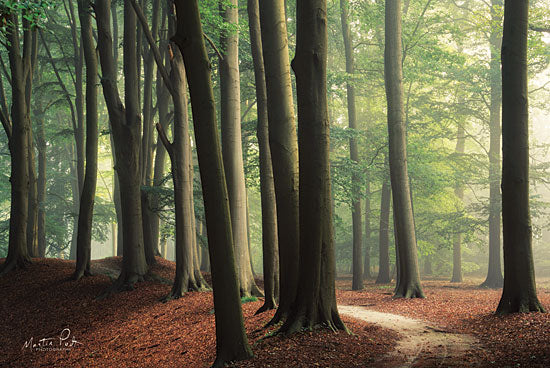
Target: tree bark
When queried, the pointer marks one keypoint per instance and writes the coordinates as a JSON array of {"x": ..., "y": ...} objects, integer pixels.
[
  {"x": 384, "y": 235},
  {"x": 519, "y": 293},
  {"x": 367, "y": 259},
  {"x": 41, "y": 182},
  {"x": 357, "y": 264},
  {"x": 126, "y": 128},
  {"x": 87, "y": 198},
  {"x": 269, "y": 210},
  {"x": 409, "y": 279},
  {"x": 494, "y": 273},
  {"x": 18, "y": 139},
  {"x": 232, "y": 149},
  {"x": 284, "y": 148},
  {"x": 459, "y": 193},
  {"x": 231, "y": 340},
  {"x": 315, "y": 302}
]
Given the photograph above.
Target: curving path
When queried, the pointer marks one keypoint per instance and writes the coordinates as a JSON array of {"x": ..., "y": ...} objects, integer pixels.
[{"x": 420, "y": 343}]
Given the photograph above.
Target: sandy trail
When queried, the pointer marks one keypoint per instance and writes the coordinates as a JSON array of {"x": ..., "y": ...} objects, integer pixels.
[{"x": 419, "y": 343}]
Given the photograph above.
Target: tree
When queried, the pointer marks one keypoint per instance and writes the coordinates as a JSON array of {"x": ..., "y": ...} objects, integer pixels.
[
  {"x": 519, "y": 292},
  {"x": 384, "y": 276},
  {"x": 269, "y": 210},
  {"x": 494, "y": 273},
  {"x": 231, "y": 340},
  {"x": 357, "y": 281},
  {"x": 459, "y": 192},
  {"x": 230, "y": 114},
  {"x": 17, "y": 128},
  {"x": 409, "y": 279},
  {"x": 85, "y": 215},
  {"x": 315, "y": 302},
  {"x": 284, "y": 148},
  {"x": 126, "y": 127},
  {"x": 367, "y": 260}
]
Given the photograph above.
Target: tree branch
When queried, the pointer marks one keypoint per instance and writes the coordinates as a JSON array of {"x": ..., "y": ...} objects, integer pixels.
[
  {"x": 539, "y": 29},
  {"x": 162, "y": 135}
]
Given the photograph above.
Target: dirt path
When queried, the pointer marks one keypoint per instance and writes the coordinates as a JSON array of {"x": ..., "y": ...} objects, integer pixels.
[{"x": 421, "y": 344}]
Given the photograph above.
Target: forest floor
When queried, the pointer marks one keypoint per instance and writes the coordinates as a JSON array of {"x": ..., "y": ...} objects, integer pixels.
[{"x": 40, "y": 306}]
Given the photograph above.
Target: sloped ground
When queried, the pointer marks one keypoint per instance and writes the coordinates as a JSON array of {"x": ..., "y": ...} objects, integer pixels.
[
  {"x": 133, "y": 329},
  {"x": 519, "y": 340}
]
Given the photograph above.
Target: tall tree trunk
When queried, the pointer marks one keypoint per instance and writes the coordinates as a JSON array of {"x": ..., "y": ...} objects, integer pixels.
[
  {"x": 41, "y": 182},
  {"x": 18, "y": 139},
  {"x": 315, "y": 302},
  {"x": 126, "y": 128},
  {"x": 146, "y": 152},
  {"x": 357, "y": 261},
  {"x": 269, "y": 210},
  {"x": 494, "y": 273},
  {"x": 87, "y": 198},
  {"x": 232, "y": 149},
  {"x": 409, "y": 279},
  {"x": 367, "y": 260},
  {"x": 519, "y": 293},
  {"x": 179, "y": 153},
  {"x": 284, "y": 148},
  {"x": 459, "y": 193},
  {"x": 231, "y": 340},
  {"x": 32, "y": 216},
  {"x": 384, "y": 235}
]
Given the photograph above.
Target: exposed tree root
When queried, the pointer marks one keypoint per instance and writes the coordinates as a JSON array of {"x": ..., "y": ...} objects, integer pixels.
[
  {"x": 524, "y": 304},
  {"x": 13, "y": 264},
  {"x": 299, "y": 321},
  {"x": 269, "y": 304},
  {"x": 492, "y": 283},
  {"x": 79, "y": 274},
  {"x": 408, "y": 291}
]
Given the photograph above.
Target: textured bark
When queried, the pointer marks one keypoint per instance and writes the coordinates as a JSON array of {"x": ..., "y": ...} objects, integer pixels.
[
  {"x": 231, "y": 340},
  {"x": 367, "y": 259},
  {"x": 384, "y": 236},
  {"x": 315, "y": 302},
  {"x": 409, "y": 279},
  {"x": 41, "y": 182},
  {"x": 232, "y": 149},
  {"x": 269, "y": 210},
  {"x": 283, "y": 146},
  {"x": 126, "y": 128},
  {"x": 357, "y": 262},
  {"x": 18, "y": 138},
  {"x": 459, "y": 193},
  {"x": 87, "y": 198},
  {"x": 494, "y": 272},
  {"x": 519, "y": 293},
  {"x": 179, "y": 154}
]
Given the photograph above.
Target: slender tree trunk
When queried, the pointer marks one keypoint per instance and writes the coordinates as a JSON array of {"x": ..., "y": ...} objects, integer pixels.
[
  {"x": 384, "y": 235},
  {"x": 269, "y": 210},
  {"x": 494, "y": 273},
  {"x": 41, "y": 183},
  {"x": 459, "y": 193},
  {"x": 357, "y": 264},
  {"x": 409, "y": 279},
  {"x": 126, "y": 128},
  {"x": 232, "y": 149},
  {"x": 180, "y": 157},
  {"x": 18, "y": 138},
  {"x": 519, "y": 293},
  {"x": 283, "y": 146},
  {"x": 231, "y": 340},
  {"x": 315, "y": 302},
  {"x": 87, "y": 199},
  {"x": 32, "y": 219},
  {"x": 367, "y": 259}
]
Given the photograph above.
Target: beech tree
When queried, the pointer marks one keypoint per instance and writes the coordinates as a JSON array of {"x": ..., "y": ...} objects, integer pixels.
[
  {"x": 17, "y": 126},
  {"x": 384, "y": 276},
  {"x": 231, "y": 340},
  {"x": 85, "y": 215},
  {"x": 269, "y": 210},
  {"x": 315, "y": 302},
  {"x": 408, "y": 283},
  {"x": 519, "y": 292},
  {"x": 284, "y": 147},
  {"x": 357, "y": 262},
  {"x": 126, "y": 127}
]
